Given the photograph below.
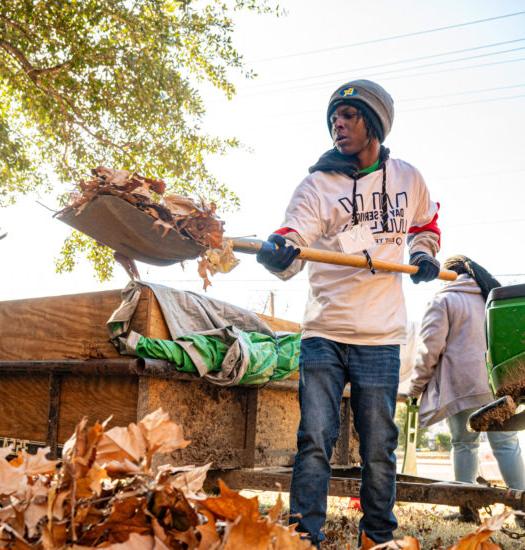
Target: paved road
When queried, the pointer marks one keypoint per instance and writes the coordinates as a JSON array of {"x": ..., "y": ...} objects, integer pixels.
[{"x": 442, "y": 469}]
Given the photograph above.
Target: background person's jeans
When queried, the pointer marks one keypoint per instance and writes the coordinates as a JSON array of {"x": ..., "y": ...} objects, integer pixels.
[
  {"x": 465, "y": 445},
  {"x": 373, "y": 372}
]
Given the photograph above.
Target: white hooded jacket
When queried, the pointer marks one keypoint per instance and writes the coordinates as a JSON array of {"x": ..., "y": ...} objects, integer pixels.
[{"x": 450, "y": 368}]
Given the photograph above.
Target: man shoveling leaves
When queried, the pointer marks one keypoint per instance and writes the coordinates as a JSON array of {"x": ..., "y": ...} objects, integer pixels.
[{"x": 356, "y": 198}]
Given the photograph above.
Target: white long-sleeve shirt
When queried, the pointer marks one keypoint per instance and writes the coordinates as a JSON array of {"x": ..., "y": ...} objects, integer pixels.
[{"x": 347, "y": 304}]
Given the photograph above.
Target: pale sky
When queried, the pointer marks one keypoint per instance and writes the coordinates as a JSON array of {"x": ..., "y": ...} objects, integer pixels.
[{"x": 459, "y": 98}]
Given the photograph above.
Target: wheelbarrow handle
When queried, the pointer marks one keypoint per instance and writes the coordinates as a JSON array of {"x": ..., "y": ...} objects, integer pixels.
[{"x": 252, "y": 246}]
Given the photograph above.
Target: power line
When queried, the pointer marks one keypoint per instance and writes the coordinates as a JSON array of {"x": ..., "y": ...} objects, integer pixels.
[
  {"x": 318, "y": 85},
  {"x": 466, "y": 92},
  {"x": 412, "y": 99},
  {"x": 453, "y": 69},
  {"x": 426, "y": 108},
  {"x": 387, "y": 64},
  {"x": 460, "y": 103},
  {"x": 392, "y": 37}
]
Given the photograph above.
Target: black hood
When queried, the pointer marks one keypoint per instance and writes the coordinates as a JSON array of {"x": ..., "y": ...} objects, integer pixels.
[{"x": 334, "y": 161}]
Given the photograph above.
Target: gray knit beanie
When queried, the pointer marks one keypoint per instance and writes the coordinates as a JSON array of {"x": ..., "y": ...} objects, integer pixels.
[{"x": 371, "y": 98}]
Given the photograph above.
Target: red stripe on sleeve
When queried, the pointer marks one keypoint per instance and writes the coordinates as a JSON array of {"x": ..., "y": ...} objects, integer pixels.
[
  {"x": 284, "y": 230},
  {"x": 431, "y": 226}
]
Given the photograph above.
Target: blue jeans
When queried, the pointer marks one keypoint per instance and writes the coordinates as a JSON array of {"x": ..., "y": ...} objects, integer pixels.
[
  {"x": 505, "y": 446},
  {"x": 373, "y": 372}
]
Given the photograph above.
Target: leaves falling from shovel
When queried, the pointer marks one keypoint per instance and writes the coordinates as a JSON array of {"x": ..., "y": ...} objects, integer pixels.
[{"x": 192, "y": 220}]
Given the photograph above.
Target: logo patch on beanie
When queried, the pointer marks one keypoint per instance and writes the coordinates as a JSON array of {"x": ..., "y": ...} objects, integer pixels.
[{"x": 348, "y": 92}]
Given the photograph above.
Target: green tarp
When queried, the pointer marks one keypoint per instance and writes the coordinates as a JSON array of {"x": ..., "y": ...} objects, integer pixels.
[{"x": 268, "y": 358}]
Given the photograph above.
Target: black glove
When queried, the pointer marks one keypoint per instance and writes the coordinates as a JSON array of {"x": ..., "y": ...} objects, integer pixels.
[
  {"x": 428, "y": 267},
  {"x": 275, "y": 255}
]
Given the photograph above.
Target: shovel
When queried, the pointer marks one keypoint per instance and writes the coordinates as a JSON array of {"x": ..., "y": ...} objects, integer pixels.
[
  {"x": 129, "y": 231},
  {"x": 252, "y": 246}
]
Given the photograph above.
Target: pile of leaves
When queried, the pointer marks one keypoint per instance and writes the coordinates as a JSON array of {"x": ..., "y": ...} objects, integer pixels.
[
  {"x": 192, "y": 220},
  {"x": 104, "y": 493}
]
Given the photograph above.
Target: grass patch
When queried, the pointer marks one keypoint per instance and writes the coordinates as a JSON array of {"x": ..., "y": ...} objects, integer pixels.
[{"x": 426, "y": 522}]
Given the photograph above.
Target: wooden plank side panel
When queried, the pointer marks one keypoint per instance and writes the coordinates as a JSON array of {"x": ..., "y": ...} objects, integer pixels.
[
  {"x": 24, "y": 406},
  {"x": 155, "y": 326},
  {"x": 74, "y": 326},
  {"x": 96, "y": 398},
  {"x": 67, "y": 327},
  {"x": 280, "y": 324},
  {"x": 58, "y": 327}
]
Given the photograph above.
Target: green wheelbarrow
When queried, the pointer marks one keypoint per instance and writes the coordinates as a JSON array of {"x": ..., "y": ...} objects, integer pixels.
[{"x": 505, "y": 329}]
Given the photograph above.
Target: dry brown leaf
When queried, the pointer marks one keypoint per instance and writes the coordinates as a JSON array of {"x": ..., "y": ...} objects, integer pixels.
[
  {"x": 406, "y": 543},
  {"x": 366, "y": 543},
  {"x": 479, "y": 539},
  {"x": 91, "y": 484},
  {"x": 275, "y": 512},
  {"x": 116, "y": 177},
  {"x": 11, "y": 539},
  {"x": 120, "y": 444},
  {"x": 54, "y": 535},
  {"x": 286, "y": 538},
  {"x": 80, "y": 449},
  {"x": 247, "y": 532},
  {"x": 55, "y": 503},
  {"x": 231, "y": 504},
  {"x": 179, "y": 205},
  {"x": 158, "y": 186},
  {"x": 6, "y": 451},
  {"x": 163, "y": 226},
  {"x": 206, "y": 230},
  {"x": 134, "y": 542},
  {"x": 174, "y": 511},
  {"x": 12, "y": 478},
  {"x": 37, "y": 464},
  {"x": 210, "y": 539},
  {"x": 7, "y": 513},
  {"x": 202, "y": 269},
  {"x": 221, "y": 260},
  {"x": 161, "y": 434},
  {"x": 126, "y": 516},
  {"x": 142, "y": 191},
  {"x": 35, "y": 512},
  {"x": 119, "y": 468},
  {"x": 190, "y": 482}
]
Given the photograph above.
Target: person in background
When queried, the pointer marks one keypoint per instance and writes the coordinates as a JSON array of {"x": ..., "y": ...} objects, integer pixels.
[
  {"x": 355, "y": 318},
  {"x": 451, "y": 377}
]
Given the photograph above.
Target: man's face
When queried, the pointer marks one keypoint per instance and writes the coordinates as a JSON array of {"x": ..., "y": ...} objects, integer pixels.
[{"x": 349, "y": 131}]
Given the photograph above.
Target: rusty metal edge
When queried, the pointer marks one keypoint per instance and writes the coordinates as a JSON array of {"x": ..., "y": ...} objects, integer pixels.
[
  {"x": 93, "y": 367},
  {"x": 430, "y": 491},
  {"x": 131, "y": 366},
  {"x": 53, "y": 414}
]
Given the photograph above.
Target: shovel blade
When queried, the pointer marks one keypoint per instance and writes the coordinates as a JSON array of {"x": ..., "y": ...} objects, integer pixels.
[{"x": 116, "y": 223}]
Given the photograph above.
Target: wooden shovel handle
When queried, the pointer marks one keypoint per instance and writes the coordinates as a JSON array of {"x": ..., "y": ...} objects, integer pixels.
[{"x": 252, "y": 246}]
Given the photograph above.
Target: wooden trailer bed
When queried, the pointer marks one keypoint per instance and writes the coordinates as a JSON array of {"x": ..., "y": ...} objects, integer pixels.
[{"x": 57, "y": 365}]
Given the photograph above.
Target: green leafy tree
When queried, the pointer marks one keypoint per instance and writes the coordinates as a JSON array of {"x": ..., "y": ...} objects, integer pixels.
[
  {"x": 113, "y": 82},
  {"x": 444, "y": 441}
]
